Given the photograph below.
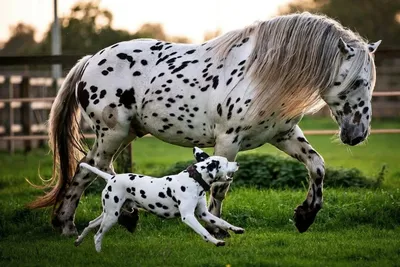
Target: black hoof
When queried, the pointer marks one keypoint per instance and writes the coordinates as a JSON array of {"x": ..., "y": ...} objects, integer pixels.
[
  {"x": 129, "y": 220},
  {"x": 56, "y": 222},
  {"x": 304, "y": 217}
]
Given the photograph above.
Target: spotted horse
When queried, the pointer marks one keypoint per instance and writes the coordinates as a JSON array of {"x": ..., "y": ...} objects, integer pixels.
[{"x": 236, "y": 92}]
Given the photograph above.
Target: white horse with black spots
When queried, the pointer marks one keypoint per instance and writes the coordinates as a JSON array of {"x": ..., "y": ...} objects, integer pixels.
[{"x": 236, "y": 92}]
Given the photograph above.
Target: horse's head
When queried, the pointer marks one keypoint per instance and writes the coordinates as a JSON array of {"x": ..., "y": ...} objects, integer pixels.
[{"x": 349, "y": 98}]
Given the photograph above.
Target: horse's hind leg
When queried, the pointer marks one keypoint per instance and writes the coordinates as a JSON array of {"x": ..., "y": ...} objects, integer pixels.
[{"x": 100, "y": 156}]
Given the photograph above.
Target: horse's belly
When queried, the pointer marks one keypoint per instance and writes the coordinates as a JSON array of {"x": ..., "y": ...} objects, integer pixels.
[{"x": 179, "y": 127}]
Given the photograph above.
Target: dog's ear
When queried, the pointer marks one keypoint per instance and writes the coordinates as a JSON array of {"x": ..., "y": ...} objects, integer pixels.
[
  {"x": 212, "y": 169},
  {"x": 199, "y": 154},
  {"x": 192, "y": 171}
]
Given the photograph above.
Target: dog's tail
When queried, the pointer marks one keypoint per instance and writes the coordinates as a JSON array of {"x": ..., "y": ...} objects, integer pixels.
[{"x": 104, "y": 175}]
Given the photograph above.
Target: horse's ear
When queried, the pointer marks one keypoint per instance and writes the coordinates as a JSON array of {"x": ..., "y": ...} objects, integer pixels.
[
  {"x": 345, "y": 49},
  {"x": 199, "y": 154},
  {"x": 373, "y": 46}
]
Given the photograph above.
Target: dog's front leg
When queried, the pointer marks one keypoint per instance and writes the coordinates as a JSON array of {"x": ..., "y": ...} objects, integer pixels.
[
  {"x": 203, "y": 213},
  {"x": 186, "y": 209}
]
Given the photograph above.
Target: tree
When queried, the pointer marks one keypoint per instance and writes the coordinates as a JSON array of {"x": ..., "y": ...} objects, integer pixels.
[
  {"x": 373, "y": 19},
  {"x": 21, "y": 42},
  {"x": 87, "y": 29}
]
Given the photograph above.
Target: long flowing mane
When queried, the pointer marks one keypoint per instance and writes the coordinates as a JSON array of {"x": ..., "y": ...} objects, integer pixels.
[{"x": 295, "y": 58}]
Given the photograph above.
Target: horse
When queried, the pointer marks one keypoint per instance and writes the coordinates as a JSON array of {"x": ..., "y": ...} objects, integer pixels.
[{"x": 236, "y": 92}]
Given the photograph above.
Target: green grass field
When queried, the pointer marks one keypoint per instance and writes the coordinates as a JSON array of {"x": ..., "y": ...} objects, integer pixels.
[{"x": 355, "y": 227}]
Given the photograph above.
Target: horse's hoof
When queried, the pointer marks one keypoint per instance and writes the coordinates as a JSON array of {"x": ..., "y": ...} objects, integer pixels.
[
  {"x": 68, "y": 229},
  {"x": 129, "y": 220},
  {"x": 304, "y": 217}
]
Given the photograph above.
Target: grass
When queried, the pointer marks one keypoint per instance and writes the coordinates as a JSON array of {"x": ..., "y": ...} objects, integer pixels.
[{"x": 355, "y": 227}]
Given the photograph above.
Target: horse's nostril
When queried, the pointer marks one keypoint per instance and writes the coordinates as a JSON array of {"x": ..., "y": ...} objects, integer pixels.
[{"x": 356, "y": 141}]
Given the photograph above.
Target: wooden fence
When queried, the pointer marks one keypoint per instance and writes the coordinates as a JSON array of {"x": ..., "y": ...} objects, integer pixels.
[{"x": 28, "y": 131}]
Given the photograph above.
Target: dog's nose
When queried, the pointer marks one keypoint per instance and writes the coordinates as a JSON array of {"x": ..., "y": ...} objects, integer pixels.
[{"x": 237, "y": 164}]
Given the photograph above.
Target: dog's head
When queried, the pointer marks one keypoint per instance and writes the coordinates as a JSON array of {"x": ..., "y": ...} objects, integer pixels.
[{"x": 214, "y": 168}]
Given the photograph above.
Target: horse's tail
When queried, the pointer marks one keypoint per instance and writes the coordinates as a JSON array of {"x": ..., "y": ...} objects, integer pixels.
[
  {"x": 64, "y": 139},
  {"x": 104, "y": 175}
]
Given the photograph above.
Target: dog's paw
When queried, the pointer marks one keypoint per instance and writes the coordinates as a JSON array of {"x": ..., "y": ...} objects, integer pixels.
[
  {"x": 238, "y": 230},
  {"x": 77, "y": 242},
  {"x": 220, "y": 243},
  {"x": 218, "y": 232}
]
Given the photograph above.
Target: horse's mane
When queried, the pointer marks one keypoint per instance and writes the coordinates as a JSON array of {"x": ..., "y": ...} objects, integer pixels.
[{"x": 294, "y": 59}]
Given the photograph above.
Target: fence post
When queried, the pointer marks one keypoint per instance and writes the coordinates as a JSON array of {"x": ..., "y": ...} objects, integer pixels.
[
  {"x": 25, "y": 112},
  {"x": 124, "y": 160},
  {"x": 9, "y": 130}
]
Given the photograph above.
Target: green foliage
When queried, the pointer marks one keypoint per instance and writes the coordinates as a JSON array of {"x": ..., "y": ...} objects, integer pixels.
[{"x": 267, "y": 171}]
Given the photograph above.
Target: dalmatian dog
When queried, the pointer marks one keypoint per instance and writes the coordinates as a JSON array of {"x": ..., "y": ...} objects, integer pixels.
[{"x": 171, "y": 196}]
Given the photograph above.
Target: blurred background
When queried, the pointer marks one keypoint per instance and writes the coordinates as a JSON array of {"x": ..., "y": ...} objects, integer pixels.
[{"x": 32, "y": 30}]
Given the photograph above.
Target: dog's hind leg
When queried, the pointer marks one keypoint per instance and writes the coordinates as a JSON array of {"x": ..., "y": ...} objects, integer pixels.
[
  {"x": 101, "y": 156},
  {"x": 110, "y": 217},
  {"x": 92, "y": 224}
]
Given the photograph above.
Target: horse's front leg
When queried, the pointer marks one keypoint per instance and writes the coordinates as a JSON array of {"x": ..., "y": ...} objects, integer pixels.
[
  {"x": 224, "y": 147},
  {"x": 296, "y": 145}
]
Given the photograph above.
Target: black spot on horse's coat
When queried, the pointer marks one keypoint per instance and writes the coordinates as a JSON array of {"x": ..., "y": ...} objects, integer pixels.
[
  {"x": 365, "y": 110},
  {"x": 156, "y": 47},
  {"x": 183, "y": 188},
  {"x": 357, "y": 84},
  {"x": 137, "y": 51},
  {"x": 127, "y": 98},
  {"x": 83, "y": 95},
  {"x": 116, "y": 213},
  {"x": 229, "y": 81},
  {"x": 181, "y": 67},
  {"x": 346, "y": 108},
  {"x": 190, "y": 52},
  {"x": 219, "y": 109},
  {"x": 122, "y": 56},
  {"x": 144, "y": 62},
  {"x": 162, "y": 195},
  {"x": 101, "y": 62},
  {"x": 136, "y": 73},
  {"x": 104, "y": 72},
  {"x": 151, "y": 206},
  {"x": 102, "y": 94},
  {"x": 159, "y": 205},
  {"x": 229, "y": 131},
  {"x": 116, "y": 199}
]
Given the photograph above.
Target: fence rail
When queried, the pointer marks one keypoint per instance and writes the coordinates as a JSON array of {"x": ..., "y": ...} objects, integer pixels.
[{"x": 28, "y": 131}]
